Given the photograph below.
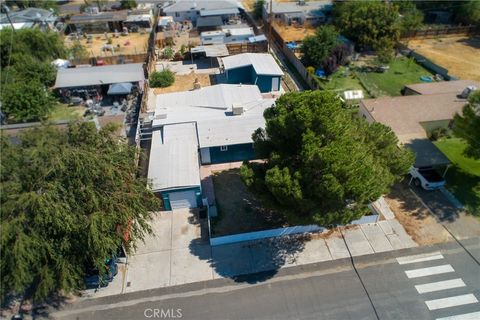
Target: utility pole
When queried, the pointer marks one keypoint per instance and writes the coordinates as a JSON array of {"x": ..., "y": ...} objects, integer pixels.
[
  {"x": 270, "y": 20},
  {"x": 7, "y": 10}
]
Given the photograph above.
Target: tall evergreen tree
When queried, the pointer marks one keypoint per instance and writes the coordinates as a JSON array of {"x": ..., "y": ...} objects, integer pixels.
[
  {"x": 321, "y": 163},
  {"x": 68, "y": 198},
  {"x": 467, "y": 125}
]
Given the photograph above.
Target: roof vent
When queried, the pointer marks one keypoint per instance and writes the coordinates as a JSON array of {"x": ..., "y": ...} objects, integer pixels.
[
  {"x": 301, "y": 2},
  {"x": 160, "y": 116},
  {"x": 237, "y": 109}
]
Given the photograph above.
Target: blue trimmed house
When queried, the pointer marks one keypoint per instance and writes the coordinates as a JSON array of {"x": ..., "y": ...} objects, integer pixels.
[
  {"x": 259, "y": 69},
  {"x": 204, "y": 126}
]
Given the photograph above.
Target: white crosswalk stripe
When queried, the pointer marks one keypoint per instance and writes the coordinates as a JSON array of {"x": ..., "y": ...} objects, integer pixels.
[
  {"x": 440, "y": 285},
  {"x": 465, "y": 316},
  {"x": 423, "y": 272},
  {"x": 451, "y": 301},
  {"x": 420, "y": 258}
]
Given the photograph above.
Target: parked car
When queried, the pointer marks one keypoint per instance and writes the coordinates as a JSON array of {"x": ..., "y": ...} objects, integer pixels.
[
  {"x": 93, "y": 278},
  {"x": 427, "y": 178}
]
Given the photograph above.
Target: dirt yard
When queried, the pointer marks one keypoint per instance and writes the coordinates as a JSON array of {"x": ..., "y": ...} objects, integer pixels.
[
  {"x": 239, "y": 210},
  {"x": 415, "y": 218},
  {"x": 133, "y": 43},
  {"x": 185, "y": 83},
  {"x": 293, "y": 33},
  {"x": 460, "y": 55}
]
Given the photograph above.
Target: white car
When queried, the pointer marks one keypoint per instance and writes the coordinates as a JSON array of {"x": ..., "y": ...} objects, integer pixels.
[{"x": 427, "y": 178}]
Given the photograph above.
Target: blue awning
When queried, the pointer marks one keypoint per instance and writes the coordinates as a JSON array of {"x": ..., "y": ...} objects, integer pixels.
[{"x": 120, "y": 88}]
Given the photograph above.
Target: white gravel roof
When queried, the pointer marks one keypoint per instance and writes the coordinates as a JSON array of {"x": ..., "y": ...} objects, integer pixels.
[{"x": 263, "y": 63}]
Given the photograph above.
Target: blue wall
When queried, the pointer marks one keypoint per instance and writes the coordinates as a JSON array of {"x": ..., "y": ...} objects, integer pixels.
[
  {"x": 247, "y": 75},
  {"x": 240, "y": 75},
  {"x": 237, "y": 152}
]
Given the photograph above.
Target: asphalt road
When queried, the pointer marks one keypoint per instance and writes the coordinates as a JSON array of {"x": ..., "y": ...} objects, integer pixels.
[{"x": 329, "y": 290}]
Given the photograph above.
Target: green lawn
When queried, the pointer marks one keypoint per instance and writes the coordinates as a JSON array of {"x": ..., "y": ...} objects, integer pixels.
[
  {"x": 341, "y": 80},
  {"x": 64, "y": 112},
  {"x": 402, "y": 71},
  {"x": 463, "y": 177}
]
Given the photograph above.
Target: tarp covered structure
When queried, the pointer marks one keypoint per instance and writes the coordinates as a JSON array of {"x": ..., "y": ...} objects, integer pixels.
[{"x": 120, "y": 88}]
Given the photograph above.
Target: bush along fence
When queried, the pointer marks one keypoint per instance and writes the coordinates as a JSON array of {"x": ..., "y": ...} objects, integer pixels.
[{"x": 425, "y": 62}]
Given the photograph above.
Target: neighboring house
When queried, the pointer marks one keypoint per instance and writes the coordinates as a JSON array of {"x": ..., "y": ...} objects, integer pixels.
[
  {"x": 253, "y": 68},
  {"x": 413, "y": 117},
  {"x": 227, "y": 35},
  {"x": 301, "y": 12},
  {"x": 204, "y": 126},
  {"x": 100, "y": 79},
  {"x": 192, "y": 10},
  {"x": 97, "y": 22},
  {"x": 29, "y": 18}
]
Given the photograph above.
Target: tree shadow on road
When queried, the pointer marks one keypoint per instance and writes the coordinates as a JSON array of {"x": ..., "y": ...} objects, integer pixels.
[{"x": 252, "y": 261}]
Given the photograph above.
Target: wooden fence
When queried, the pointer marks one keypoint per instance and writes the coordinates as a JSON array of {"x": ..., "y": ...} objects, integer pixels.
[
  {"x": 441, "y": 32},
  {"x": 114, "y": 59},
  {"x": 247, "y": 47}
]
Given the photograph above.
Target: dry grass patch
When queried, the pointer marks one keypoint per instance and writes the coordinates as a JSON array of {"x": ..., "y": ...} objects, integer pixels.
[
  {"x": 458, "y": 54},
  {"x": 185, "y": 83},
  {"x": 415, "y": 218}
]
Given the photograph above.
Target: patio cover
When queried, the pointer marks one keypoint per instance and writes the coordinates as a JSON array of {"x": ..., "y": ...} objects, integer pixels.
[{"x": 119, "y": 88}]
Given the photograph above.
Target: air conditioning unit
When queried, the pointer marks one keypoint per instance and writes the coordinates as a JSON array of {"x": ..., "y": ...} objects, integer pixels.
[{"x": 237, "y": 110}]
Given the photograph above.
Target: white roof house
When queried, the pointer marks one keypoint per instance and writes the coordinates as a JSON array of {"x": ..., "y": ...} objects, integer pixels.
[
  {"x": 262, "y": 63},
  {"x": 184, "y": 122},
  {"x": 174, "y": 158}
]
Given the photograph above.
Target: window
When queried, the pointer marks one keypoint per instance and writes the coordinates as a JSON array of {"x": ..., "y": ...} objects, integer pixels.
[
  {"x": 177, "y": 14},
  {"x": 207, "y": 39},
  {"x": 223, "y": 148}
]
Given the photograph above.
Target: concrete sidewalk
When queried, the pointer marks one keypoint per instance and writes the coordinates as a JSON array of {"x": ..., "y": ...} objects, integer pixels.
[{"x": 176, "y": 254}]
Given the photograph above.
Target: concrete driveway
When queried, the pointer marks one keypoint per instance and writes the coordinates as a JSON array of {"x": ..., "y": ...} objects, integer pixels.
[
  {"x": 165, "y": 258},
  {"x": 456, "y": 220}
]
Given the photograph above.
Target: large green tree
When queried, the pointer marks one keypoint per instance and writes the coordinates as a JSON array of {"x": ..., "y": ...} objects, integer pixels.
[
  {"x": 258, "y": 9},
  {"x": 44, "y": 46},
  {"x": 26, "y": 72},
  {"x": 68, "y": 198},
  {"x": 128, "y": 4},
  {"x": 316, "y": 48},
  {"x": 369, "y": 23},
  {"x": 467, "y": 125},
  {"x": 26, "y": 101},
  {"x": 411, "y": 17},
  {"x": 322, "y": 163}
]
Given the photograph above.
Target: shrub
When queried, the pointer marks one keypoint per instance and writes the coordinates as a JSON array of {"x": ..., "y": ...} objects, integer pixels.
[
  {"x": 311, "y": 70},
  {"x": 168, "y": 53},
  {"x": 162, "y": 79},
  {"x": 438, "y": 133}
]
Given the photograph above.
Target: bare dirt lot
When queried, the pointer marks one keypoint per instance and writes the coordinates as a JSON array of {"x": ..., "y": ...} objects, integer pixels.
[
  {"x": 415, "y": 218},
  {"x": 185, "y": 82},
  {"x": 460, "y": 55},
  {"x": 293, "y": 33},
  {"x": 133, "y": 43}
]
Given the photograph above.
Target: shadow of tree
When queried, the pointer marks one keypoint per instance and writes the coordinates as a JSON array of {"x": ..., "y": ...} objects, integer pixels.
[
  {"x": 252, "y": 261},
  {"x": 472, "y": 42},
  {"x": 406, "y": 201},
  {"x": 239, "y": 209},
  {"x": 466, "y": 188}
]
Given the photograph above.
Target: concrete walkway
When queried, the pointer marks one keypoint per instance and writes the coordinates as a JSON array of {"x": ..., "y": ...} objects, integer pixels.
[{"x": 177, "y": 254}]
